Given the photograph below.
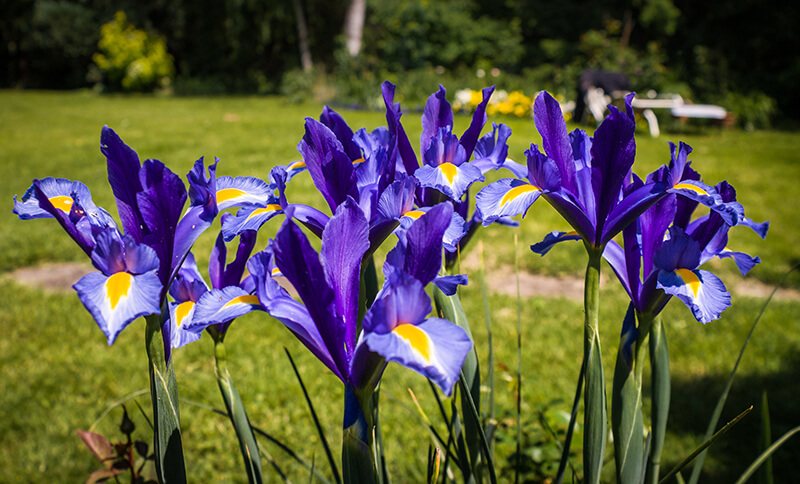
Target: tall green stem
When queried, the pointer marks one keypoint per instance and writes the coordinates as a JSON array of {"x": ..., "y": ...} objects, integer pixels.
[
  {"x": 595, "y": 413},
  {"x": 233, "y": 403},
  {"x": 166, "y": 417}
]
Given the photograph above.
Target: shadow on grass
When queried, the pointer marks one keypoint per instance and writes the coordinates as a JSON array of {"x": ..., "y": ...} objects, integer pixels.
[{"x": 694, "y": 400}]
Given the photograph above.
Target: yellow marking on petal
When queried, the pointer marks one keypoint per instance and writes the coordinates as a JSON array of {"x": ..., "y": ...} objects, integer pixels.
[
  {"x": 690, "y": 279},
  {"x": 689, "y": 186},
  {"x": 272, "y": 207},
  {"x": 449, "y": 170},
  {"x": 414, "y": 214},
  {"x": 251, "y": 299},
  {"x": 416, "y": 338},
  {"x": 118, "y": 286},
  {"x": 359, "y": 161},
  {"x": 229, "y": 194},
  {"x": 297, "y": 165},
  {"x": 182, "y": 311},
  {"x": 518, "y": 191},
  {"x": 276, "y": 272},
  {"x": 571, "y": 232},
  {"x": 62, "y": 202}
]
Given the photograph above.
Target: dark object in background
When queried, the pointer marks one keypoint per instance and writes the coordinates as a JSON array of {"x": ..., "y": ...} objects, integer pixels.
[{"x": 608, "y": 81}]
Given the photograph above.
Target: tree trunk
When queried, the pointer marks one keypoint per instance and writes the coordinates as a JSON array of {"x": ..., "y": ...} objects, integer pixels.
[
  {"x": 302, "y": 35},
  {"x": 354, "y": 26}
]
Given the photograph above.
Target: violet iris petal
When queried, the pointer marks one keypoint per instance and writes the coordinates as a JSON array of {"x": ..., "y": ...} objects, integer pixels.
[
  {"x": 470, "y": 136},
  {"x": 123, "y": 176},
  {"x": 344, "y": 243}
]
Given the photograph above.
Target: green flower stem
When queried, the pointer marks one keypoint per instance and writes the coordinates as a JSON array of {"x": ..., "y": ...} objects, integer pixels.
[
  {"x": 660, "y": 395},
  {"x": 594, "y": 401},
  {"x": 358, "y": 437},
  {"x": 236, "y": 411},
  {"x": 168, "y": 448}
]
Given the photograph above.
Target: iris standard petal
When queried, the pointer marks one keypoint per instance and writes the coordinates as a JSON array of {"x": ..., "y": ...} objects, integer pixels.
[
  {"x": 423, "y": 251},
  {"x": 123, "y": 176},
  {"x": 329, "y": 166},
  {"x": 470, "y": 136},
  {"x": 435, "y": 348},
  {"x": 336, "y": 123},
  {"x": 437, "y": 115},
  {"x": 116, "y": 300},
  {"x": 406, "y": 158},
  {"x": 200, "y": 214},
  {"x": 161, "y": 202},
  {"x": 550, "y": 123},
  {"x": 491, "y": 152},
  {"x": 615, "y": 256},
  {"x": 344, "y": 243},
  {"x": 449, "y": 284},
  {"x": 703, "y": 292},
  {"x": 505, "y": 198}
]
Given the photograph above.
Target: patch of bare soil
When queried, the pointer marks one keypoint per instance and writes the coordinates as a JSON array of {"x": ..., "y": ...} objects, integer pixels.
[
  {"x": 501, "y": 280},
  {"x": 52, "y": 277}
]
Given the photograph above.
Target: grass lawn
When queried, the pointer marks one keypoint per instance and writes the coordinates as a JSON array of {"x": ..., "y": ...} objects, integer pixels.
[{"x": 60, "y": 375}]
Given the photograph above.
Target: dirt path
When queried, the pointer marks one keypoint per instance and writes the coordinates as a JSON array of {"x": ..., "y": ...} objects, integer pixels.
[{"x": 502, "y": 280}]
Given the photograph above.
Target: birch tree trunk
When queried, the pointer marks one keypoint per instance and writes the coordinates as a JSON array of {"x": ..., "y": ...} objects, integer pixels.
[{"x": 354, "y": 26}]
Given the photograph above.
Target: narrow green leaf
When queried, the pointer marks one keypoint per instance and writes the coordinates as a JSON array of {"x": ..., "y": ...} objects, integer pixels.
[
  {"x": 766, "y": 439},
  {"x": 241, "y": 423},
  {"x": 765, "y": 455},
  {"x": 168, "y": 447},
  {"x": 452, "y": 310},
  {"x": 705, "y": 445},
  {"x": 320, "y": 431},
  {"x": 626, "y": 411},
  {"x": 484, "y": 443},
  {"x": 712, "y": 424},
  {"x": 270, "y": 438},
  {"x": 573, "y": 418},
  {"x": 660, "y": 396},
  {"x": 518, "y": 396},
  {"x": 490, "y": 424}
]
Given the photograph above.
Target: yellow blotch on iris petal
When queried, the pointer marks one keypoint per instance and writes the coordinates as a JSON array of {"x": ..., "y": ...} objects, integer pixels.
[
  {"x": 229, "y": 194},
  {"x": 449, "y": 170},
  {"x": 251, "y": 299},
  {"x": 518, "y": 191},
  {"x": 272, "y": 207},
  {"x": 62, "y": 202},
  {"x": 690, "y": 279},
  {"x": 416, "y": 338},
  {"x": 689, "y": 186},
  {"x": 414, "y": 214},
  {"x": 182, "y": 311},
  {"x": 359, "y": 161},
  {"x": 117, "y": 286},
  {"x": 297, "y": 165}
]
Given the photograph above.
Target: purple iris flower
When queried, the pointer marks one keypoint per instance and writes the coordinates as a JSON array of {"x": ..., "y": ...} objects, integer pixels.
[
  {"x": 359, "y": 166},
  {"x": 664, "y": 249},
  {"x": 394, "y": 328},
  {"x": 197, "y": 306},
  {"x": 135, "y": 268},
  {"x": 446, "y": 171}
]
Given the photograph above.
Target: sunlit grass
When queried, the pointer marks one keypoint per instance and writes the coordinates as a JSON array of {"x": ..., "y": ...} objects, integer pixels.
[{"x": 60, "y": 374}]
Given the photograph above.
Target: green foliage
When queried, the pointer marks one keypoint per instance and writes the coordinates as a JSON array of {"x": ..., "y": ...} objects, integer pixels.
[
  {"x": 133, "y": 59},
  {"x": 754, "y": 110}
]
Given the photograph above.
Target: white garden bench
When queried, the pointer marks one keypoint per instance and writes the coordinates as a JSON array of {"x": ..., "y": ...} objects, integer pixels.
[{"x": 678, "y": 108}]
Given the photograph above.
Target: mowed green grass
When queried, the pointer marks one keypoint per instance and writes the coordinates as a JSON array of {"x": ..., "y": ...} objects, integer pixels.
[{"x": 60, "y": 375}]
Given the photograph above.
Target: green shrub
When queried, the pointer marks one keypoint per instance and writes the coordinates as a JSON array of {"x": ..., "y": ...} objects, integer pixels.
[
  {"x": 132, "y": 59},
  {"x": 753, "y": 110}
]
